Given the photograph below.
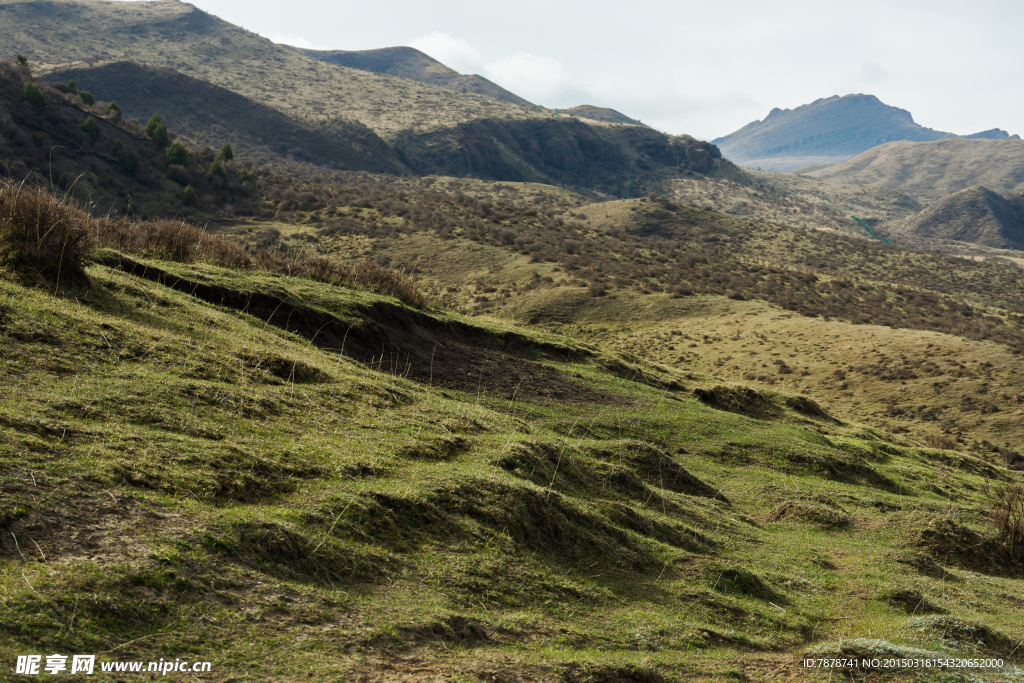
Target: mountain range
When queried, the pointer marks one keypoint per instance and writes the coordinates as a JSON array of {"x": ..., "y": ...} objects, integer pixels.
[
  {"x": 827, "y": 131},
  {"x": 280, "y": 105}
]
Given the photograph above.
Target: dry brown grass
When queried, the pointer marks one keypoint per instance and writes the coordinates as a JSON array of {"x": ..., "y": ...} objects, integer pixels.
[
  {"x": 41, "y": 236},
  {"x": 45, "y": 236},
  {"x": 940, "y": 441},
  {"x": 186, "y": 243},
  {"x": 1006, "y": 513}
]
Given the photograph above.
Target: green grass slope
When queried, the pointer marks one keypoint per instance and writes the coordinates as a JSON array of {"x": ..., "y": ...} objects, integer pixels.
[
  {"x": 930, "y": 170},
  {"x": 867, "y": 322},
  {"x": 293, "y": 479},
  {"x": 408, "y": 62}
]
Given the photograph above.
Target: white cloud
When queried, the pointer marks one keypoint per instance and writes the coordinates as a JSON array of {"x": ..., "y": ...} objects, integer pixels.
[
  {"x": 453, "y": 52},
  {"x": 295, "y": 41},
  {"x": 535, "y": 77}
]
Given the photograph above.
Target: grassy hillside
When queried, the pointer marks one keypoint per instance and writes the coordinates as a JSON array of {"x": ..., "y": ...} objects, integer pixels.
[
  {"x": 179, "y": 36},
  {"x": 93, "y": 155},
  {"x": 930, "y": 170},
  {"x": 551, "y": 259},
  {"x": 431, "y": 129},
  {"x": 587, "y": 111},
  {"x": 408, "y": 62},
  {"x": 792, "y": 200},
  {"x": 210, "y": 115},
  {"x": 975, "y": 215},
  {"x": 294, "y": 479}
]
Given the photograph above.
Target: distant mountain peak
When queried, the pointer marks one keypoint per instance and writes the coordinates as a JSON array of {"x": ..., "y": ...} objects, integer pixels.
[{"x": 827, "y": 131}]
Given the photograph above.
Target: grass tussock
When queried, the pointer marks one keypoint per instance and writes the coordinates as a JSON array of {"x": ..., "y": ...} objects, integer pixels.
[
  {"x": 43, "y": 235},
  {"x": 40, "y": 235}
]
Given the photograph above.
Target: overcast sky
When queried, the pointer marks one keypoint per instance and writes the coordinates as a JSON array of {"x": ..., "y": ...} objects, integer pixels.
[{"x": 703, "y": 68}]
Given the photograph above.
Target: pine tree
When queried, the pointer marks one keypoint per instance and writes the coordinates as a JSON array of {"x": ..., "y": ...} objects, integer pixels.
[
  {"x": 217, "y": 169},
  {"x": 177, "y": 154},
  {"x": 34, "y": 96},
  {"x": 226, "y": 153},
  {"x": 92, "y": 129}
]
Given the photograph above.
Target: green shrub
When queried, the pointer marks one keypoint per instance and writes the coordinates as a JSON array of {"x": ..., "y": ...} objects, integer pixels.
[
  {"x": 226, "y": 153},
  {"x": 154, "y": 121},
  {"x": 118, "y": 147},
  {"x": 20, "y": 59},
  {"x": 160, "y": 136},
  {"x": 34, "y": 96},
  {"x": 217, "y": 169},
  {"x": 177, "y": 155},
  {"x": 188, "y": 196},
  {"x": 72, "y": 88},
  {"x": 87, "y": 98},
  {"x": 113, "y": 111},
  {"x": 157, "y": 131},
  {"x": 92, "y": 129}
]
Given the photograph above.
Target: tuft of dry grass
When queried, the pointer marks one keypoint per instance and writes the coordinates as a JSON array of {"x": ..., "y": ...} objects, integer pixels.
[
  {"x": 45, "y": 235},
  {"x": 1006, "y": 513},
  {"x": 41, "y": 235},
  {"x": 940, "y": 441}
]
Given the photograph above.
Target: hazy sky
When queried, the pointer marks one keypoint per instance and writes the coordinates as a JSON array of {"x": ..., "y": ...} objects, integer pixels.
[{"x": 703, "y": 68}]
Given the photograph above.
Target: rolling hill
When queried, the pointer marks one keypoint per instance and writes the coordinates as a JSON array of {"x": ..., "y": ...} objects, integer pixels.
[
  {"x": 213, "y": 453},
  {"x": 930, "y": 170},
  {"x": 976, "y": 215},
  {"x": 587, "y": 111},
  {"x": 826, "y": 131},
  {"x": 433, "y": 416},
  {"x": 209, "y": 114},
  {"x": 110, "y": 164},
  {"x": 430, "y": 129},
  {"x": 408, "y": 62}
]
